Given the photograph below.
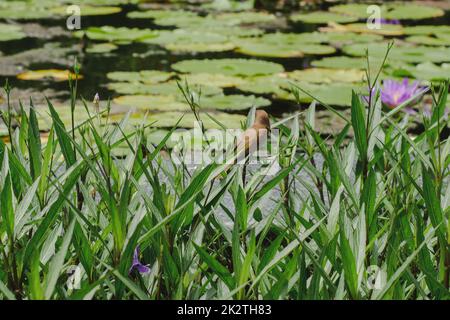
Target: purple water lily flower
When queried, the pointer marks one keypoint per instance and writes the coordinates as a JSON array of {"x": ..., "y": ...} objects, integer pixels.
[
  {"x": 137, "y": 265},
  {"x": 394, "y": 93},
  {"x": 387, "y": 21}
]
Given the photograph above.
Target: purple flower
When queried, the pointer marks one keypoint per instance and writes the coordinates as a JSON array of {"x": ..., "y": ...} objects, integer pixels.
[
  {"x": 137, "y": 265},
  {"x": 394, "y": 93},
  {"x": 386, "y": 21}
]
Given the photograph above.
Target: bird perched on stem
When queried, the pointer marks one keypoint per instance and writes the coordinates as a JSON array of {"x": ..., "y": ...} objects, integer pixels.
[{"x": 251, "y": 140}]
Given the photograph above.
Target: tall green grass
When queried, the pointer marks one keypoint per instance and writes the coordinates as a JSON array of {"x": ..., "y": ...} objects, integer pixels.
[{"x": 365, "y": 217}]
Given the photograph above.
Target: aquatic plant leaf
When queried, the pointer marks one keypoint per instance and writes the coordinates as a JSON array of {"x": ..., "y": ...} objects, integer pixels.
[
  {"x": 121, "y": 34},
  {"x": 191, "y": 41},
  {"x": 101, "y": 48},
  {"x": 233, "y": 67},
  {"x": 266, "y": 49},
  {"x": 384, "y": 29},
  {"x": 18, "y": 10},
  {"x": 167, "y": 88},
  {"x": 390, "y": 11},
  {"x": 233, "y": 102},
  {"x": 324, "y": 75},
  {"x": 426, "y": 30},
  {"x": 424, "y": 71},
  {"x": 322, "y": 17},
  {"x": 337, "y": 94},
  {"x": 268, "y": 85},
  {"x": 439, "y": 40},
  {"x": 404, "y": 53},
  {"x": 152, "y": 102},
  {"x": 11, "y": 32},
  {"x": 50, "y": 74},
  {"x": 344, "y": 62},
  {"x": 87, "y": 10},
  {"x": 144, "y": 76},
  {"x": 339, "y": 38},
  {"x": 215, "y": 80},
  {"x": 170, "y": 119},
  {"x": 245, "y": 17}
]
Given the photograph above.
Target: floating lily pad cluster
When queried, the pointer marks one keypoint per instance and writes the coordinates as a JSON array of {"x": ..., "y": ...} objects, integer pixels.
[
  {"x": 424, "y": 53},
  {"x": 216, "y": 32},
  {"x": 54, "y": 9},
  {"x": 334, "y": 49},
  {"x": 157, "y": 91},
  {"x": 252, "y": 77},
  {"x": 394, "y": 11},
  {"x": 11, "y": 32}
]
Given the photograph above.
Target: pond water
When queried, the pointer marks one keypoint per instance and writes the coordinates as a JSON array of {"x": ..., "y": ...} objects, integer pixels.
[{"x": 290, "y": 41}]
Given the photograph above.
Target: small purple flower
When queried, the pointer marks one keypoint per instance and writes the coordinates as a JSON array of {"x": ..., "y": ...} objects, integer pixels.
[
  {"x": 386, "y": 21},
  {"x": 137, "y": 265},
  {"x": 394, "y": 93}
]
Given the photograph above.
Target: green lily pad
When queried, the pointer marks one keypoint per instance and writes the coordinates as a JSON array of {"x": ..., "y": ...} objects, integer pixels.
[
  {"x": 144, "y": 76},
  {"x": 101, "y": 48},
  {"x": 412, "y": 12},
  {"x": 119, "y": 35},
  {"x": 232, "y": 31},
  {"x": 409, "y": 54},
  {"x": 429, "y": 41},
  {"x": 232, "y": 67},
  {"x": 51, "y": 9},
  {"x": 237, "y": 18},
  {"x": 151, "y": 102},
  {"x": 165, "y": 17},
  {"x": 260, "y": 48},
  {"x": 168, "y": 88},
  {"x": 11, "y": 32},
  {"x": 425, "y": 71},
  {"x": 215, "y": 80},
  {"x": 323, "y": 75},
  {"x": 344, "y": 62},
  {"x": 233, "y": 102},
  {"x": 338, "y": 94},
  {"x": 385, "y": 29},
  {"x": 390, "y": 11},
  {"x": 20, "y": 10},
  {"x": 87, "y": 10},
  {"x": 295, "y": 38},
  {"x": 170, "y": 103},
  {"x": 426, "y": 30},
  {"x": 229, "y": 5},
  {"x": 322, "y": 17},
  {"x": 339, "y": 38},
  {"x": 191, "y": 41},
  {"x": 170, "y": 119},
  {"x": 160, "y": 14},
  {"x": 270, "y": 85},
  {"x": 64, "y": 112},
  {"x": 284, "y": 45}
]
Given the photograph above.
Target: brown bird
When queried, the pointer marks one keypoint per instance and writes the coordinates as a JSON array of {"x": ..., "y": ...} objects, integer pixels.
[{"x": 251, "y": 140}]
